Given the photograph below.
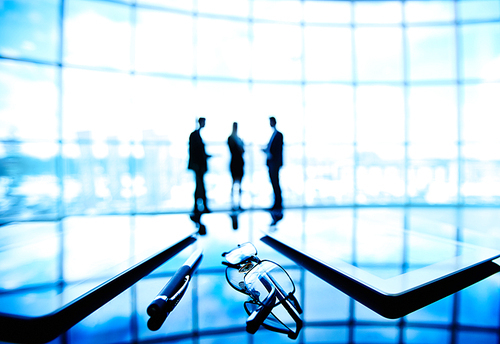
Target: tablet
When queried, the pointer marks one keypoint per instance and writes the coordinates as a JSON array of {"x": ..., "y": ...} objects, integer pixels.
[
  {"x": 100, "y": 259},
  {"x": 391, "y": 271}
]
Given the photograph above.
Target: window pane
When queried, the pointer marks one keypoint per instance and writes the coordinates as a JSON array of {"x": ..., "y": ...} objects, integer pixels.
[
  {"x": 379, "y": 54},
  {"x": 431, "y": 151},
  {"x": 465, "y": 337},
  {"x": 163, "y": 109},
  {"x": 180, "y": 181},
  {"x": 431, "y": 53},
  {"x": 283, "y": 102},
  {"x": 481, "y": 51},
  {"x": 229, "y": 309},
  {"x": 329, "y": 174},
  {"x": 440, "y": 312},
  {"x": 162, "y": 182},
  {"x": 378, "y": 12},
  {"x": 433, "y": 114},
  {"x": 29, "y": 187},
  {"x": 110, "y": 104},
  {"x": 170, "y": 4},
  {"x": 223, "y": 103},
  {"x": 477, "y": 9},
  {"x": 292, "y": 176},
  {"x": 432, "y": 173},
  {"x": 36, "y": 302},
  {"x": 164, "y": 42},
  {"x": 238, "y": 8},
  {"x": 480, "y": 112},
  {"x": 329, "y": 114},
  {"x": 117, "y": 311},
  {"x": 218, "y": 180},
  {"x": 277, "y": 52},
  {"x": 327, "y": 11},
  {"x": 429, "y": 11},
  {"x": 28, "y": 101},
  {"x": 380, "y": 114},
  {"x": 481, "y": 173},
  {"x": 283, "y": 10},
  {"x": 97, "y": 34},
  {"x": 223, "y": 48},
  {"x": 29, "y": 254},
  {"x": 478, "y": 306},
  {"x": 328, "y": 53},
  {"x": 429, "y": 336},
  {"x": 256, "y": 183},
  {"x": 97, "y": 177},
  {"x": 29, "y": 29},
  {"x": 374, "y": 335},
  {"x": 380, "y": 174}
]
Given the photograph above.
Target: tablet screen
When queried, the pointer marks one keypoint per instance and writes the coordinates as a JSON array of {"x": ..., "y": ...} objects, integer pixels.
[
  {"x": 388, "y": 254},
  {"x": 391, "y": 260},
  {"x": 45, "y": 265}
]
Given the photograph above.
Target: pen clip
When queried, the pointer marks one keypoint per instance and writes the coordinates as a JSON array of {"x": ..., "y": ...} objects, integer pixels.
[
  {"x": 183, "y": 288},
  {"x": 172, "y": 302}
]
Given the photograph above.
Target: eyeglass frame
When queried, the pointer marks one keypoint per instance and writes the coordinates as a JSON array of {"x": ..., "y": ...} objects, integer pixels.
[{"x": 264, "y": 309}]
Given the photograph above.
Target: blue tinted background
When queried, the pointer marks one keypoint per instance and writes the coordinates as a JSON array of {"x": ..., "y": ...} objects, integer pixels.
[{"x": 382, "y": 103}]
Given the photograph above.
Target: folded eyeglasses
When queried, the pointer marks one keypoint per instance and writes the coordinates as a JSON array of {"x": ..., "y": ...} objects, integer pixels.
[{"x": 273, "y": 304}]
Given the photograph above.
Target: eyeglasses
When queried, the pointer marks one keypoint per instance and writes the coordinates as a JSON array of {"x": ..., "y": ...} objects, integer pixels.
[{"x": 273, "y": 304}]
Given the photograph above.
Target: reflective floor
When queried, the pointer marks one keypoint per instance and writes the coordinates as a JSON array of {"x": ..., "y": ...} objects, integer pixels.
[{"x": 44, "y": 265}]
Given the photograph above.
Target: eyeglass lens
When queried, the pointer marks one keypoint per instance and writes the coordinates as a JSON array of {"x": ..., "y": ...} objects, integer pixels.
[
  {"x": 263, "y": 278},
  {"x": 235, "y": 277},
  {"x": 244, "y": 251}
]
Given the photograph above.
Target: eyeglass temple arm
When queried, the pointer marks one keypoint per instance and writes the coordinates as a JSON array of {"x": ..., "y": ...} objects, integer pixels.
[
  {"x": 295, "y": 316},
  {"x": 291, "y": 305},
  {"x": 259, "y": 315},
  {"x": 294, "y": 310},
  {"x": 282, "y": 295},
  {"x": 293, "y": 300}
]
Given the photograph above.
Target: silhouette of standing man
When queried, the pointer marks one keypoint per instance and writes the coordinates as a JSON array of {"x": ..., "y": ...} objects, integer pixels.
[
  {"x": 274, "y": 151},
  {"x": 237, "y": 149},
  {"x": 198, "y": 164}
]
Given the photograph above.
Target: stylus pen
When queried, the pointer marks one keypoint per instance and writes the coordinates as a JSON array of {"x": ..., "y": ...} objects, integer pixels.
[{"x": 170, "y": 295}]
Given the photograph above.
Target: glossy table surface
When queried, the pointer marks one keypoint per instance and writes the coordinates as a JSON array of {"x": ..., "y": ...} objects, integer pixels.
[{"x": 44, "y": 265}]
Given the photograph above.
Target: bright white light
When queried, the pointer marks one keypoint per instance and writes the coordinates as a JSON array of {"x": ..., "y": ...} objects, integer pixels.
[
  {"x": 491, "y": 70},
  {"x": 71, "y": 151},
  {"x": 29, "y": 100},
  {"x": 40, "y": 150},
  {"x": 100, "y": 150}
]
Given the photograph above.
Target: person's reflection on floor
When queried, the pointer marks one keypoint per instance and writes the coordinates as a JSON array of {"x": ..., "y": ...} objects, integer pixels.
[
  {"x": 234, "y": 214},
  {"x": 196, "y": 218},
  {"x": 276, "y": 215},
  {"x": 234, "y": 218}
]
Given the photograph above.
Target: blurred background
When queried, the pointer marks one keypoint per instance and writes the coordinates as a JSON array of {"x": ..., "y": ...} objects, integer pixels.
[{"x": 388, "y": 106}]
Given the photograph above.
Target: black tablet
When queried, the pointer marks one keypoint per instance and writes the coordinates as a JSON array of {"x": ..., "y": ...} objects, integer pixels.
[{"x": 391, "y": 271}]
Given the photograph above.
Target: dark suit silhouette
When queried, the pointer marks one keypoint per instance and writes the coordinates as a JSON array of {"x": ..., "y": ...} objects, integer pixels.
[
  {"x": 237, "y": 149},
  {"x": 274, "y": 151},
  {"x": 198, "y": 164}
]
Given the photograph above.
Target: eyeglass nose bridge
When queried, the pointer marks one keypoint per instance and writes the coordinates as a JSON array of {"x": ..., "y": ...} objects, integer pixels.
[{"x": 246, "y": 267}]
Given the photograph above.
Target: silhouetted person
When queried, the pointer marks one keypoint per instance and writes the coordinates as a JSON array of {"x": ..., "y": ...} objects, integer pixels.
[
  {"x": 274, "y": 151},
  {"x": 237, "y": 149},
  {"x": 198, "y": 163}
]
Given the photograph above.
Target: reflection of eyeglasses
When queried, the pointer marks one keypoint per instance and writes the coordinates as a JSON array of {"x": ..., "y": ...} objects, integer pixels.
[{"x": 273, "y": 304}]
